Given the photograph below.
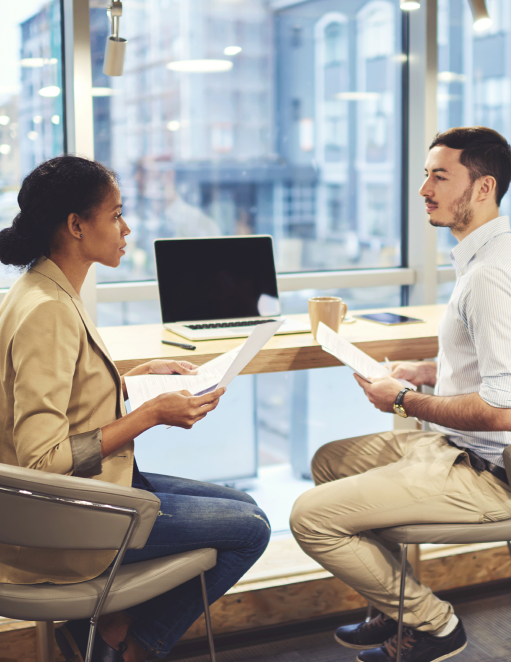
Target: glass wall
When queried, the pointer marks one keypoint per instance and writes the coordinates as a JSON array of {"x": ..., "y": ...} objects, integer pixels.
[
  {"x": 474, "y": 78},
  {"x": 234, "y": 118},
  {"x": 31, "y": 100}
]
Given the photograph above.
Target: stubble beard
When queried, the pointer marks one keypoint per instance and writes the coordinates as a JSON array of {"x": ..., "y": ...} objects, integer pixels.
[{"x": 462, "y": 213}]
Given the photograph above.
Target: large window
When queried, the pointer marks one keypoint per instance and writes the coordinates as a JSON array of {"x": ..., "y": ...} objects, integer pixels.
[
  {"x": 474, "y": 78},
  {"x": 31, "y": 100},
  {"x": 239, "y": 119}
]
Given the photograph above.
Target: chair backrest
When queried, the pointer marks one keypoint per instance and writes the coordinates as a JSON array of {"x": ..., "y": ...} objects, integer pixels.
[
  {"x": 44, "y": 510},
  {"x": 507, "y": 462}
]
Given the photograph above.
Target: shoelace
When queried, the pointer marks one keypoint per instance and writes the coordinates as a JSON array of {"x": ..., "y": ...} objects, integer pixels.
[
  {"x": 378, "y": 621},
  {"x": 407, "y": 643},
  {"x": 122, "y": 648}
]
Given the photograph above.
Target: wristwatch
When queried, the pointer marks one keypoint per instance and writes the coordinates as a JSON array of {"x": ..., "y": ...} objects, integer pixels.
[{"x": 398, "y": 407}]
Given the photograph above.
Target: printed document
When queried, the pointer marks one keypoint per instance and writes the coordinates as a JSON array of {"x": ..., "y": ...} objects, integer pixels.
[
  {"x": 218, "y": 372},
  {"x": 358, "y": 361}
]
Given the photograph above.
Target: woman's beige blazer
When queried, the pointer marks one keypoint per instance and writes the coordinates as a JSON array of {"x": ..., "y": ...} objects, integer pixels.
[{"x": 56, "y": 380}]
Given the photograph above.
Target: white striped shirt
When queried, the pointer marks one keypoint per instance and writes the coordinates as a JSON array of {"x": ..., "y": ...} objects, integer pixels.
[{"x": 475, "y": 332}]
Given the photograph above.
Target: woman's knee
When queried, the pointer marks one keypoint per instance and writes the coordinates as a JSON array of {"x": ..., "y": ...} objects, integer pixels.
[{"x": 256, "y": 525}]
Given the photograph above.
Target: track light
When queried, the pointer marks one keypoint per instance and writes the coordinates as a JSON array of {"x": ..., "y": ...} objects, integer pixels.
[
  {"x": 482, "y": 20},
  {"x": 115, "y": 46},
  {"x": 410, "y": 5}
]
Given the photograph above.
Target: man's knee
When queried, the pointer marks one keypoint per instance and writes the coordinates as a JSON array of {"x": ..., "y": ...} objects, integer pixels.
[
  {"x": 301, "y": 516},
  {"x": 321, "y": 462},
  {"x": 318, "y": 463}
]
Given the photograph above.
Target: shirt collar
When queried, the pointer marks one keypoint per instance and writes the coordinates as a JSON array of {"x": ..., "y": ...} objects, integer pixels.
[{"x": 468, "y": 247}]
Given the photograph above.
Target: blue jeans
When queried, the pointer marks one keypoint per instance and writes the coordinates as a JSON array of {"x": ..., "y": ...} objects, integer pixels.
[{"x": 195, "y": 515}]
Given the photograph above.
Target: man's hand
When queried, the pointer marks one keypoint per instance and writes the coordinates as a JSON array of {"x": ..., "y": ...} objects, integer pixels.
[
  {"x": 382, "y": 392},
  {"x": 182, "y": 409},
  {"x": 418, "y": 372}
]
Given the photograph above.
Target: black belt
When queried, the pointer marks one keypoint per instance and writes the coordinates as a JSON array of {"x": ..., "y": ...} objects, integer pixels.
[{"x": 481, "y": 464}]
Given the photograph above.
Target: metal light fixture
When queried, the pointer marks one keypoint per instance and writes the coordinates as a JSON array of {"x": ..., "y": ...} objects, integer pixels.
[
  {"x": 482, "y": 20},
  {"x": 409, "y": 5},
  {"x": 115, "y": 50}
]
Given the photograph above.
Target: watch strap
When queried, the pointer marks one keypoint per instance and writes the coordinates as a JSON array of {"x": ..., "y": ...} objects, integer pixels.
[{"x": 400, "y": 396}]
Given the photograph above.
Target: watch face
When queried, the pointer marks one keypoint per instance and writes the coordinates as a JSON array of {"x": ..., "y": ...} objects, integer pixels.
[{"x": 399, "y": 409}]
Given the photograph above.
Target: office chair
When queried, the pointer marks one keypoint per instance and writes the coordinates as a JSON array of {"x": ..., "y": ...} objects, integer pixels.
[
  {"x": 44, "y": 510},
  {"x": 448, "y": 534}
]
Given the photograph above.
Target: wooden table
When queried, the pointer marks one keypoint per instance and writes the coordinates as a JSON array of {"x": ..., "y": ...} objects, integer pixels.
[{"x": 136, "y": 344}]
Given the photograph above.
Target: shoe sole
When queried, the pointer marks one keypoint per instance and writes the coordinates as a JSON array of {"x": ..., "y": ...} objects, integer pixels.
[
  {"x": 442, "y": 658},
  {"x": 453, "y": 653},
  {"x": 352, "y": 646},
  {"x": 67, "y": 645}
]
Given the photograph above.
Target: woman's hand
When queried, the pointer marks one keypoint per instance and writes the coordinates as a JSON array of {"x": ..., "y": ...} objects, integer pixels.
[
  {"x": 182, "y": 409},
  {"x": 160, "y": 367},
  {"x": 177, "y": 408},
  {"x": 169, "y": 367}
]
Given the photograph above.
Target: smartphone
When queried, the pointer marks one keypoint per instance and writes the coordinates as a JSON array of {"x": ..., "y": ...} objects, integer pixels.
[{"x": 389, "y": 318}]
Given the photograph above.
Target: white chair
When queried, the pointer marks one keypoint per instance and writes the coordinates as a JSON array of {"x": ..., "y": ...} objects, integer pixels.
[
  {"x": 440, "y": 533},
  {"x": 43, "y": 510}
]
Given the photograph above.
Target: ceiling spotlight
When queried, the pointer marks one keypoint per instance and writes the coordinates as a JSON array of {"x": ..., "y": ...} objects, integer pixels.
[
  {"x": 482, "y": 20},
  {"x": 200, "y": 66},
  {"x": 410, "y": 5},
  {"x": 103, "y": 92},
  {"x": 357, "y": 96},
  {"x": 50, "y": 91},
  {"x": 115, "y": 50},
  {"x": 232, "y": 50}
]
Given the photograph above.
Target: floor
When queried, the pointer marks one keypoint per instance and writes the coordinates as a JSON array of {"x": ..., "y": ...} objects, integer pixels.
[{"x": 487, "y": 622}]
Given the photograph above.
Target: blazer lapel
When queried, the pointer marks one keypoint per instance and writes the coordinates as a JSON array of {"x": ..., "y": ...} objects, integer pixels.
[{"x": 48, "y": 268}]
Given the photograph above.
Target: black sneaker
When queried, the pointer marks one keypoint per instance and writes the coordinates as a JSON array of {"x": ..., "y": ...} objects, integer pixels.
[
  {"x": 419, "y": 646},
  {"x": 369, "y": 634}
]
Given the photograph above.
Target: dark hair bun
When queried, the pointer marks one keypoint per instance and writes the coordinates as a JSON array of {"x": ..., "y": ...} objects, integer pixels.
[{"x": 48, "y": 195}]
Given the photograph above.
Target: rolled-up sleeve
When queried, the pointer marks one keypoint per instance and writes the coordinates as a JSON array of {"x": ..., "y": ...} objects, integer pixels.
[
  {"x": 45, "y": 351},
  {"x": 489, "y": 321},
  {"x": 86, "y": 450}
]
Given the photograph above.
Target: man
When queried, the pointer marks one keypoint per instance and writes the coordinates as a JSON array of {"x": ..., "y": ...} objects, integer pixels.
[{"x": 454, "y": 473}]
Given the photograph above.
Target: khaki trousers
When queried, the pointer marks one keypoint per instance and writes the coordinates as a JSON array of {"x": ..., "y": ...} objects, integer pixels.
[{"x": 383, "y": 480}]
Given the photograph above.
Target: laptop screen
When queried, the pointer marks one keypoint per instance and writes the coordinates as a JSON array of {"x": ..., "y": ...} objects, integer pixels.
[{"x": 214, "y": 278}]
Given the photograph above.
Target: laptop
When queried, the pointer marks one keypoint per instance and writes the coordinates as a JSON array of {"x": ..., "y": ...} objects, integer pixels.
[{"x": 219, "y": 287}]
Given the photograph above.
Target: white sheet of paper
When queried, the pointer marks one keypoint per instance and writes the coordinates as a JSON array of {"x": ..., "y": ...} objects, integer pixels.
[
  {"x": 353, "y": 357},
  {"x": 218, "y": 372},
  {"x": 255, "y": 342}
]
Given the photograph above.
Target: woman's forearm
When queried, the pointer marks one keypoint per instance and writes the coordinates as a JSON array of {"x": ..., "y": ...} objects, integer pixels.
[
  {"x": 175, "y": 408},
  {"x": 125, "y": 429}
]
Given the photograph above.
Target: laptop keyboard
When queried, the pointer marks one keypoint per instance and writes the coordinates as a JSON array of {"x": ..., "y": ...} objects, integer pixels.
[{"x": 223, "y": 325}]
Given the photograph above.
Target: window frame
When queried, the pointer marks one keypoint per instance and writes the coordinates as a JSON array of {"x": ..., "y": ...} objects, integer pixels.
[{"x": 418, "y": 276}]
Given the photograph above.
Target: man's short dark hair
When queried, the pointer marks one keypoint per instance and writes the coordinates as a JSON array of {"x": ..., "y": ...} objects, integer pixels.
[{"x": 485, "y": 152}]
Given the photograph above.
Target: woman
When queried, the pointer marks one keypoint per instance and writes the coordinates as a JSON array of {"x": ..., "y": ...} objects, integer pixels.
[{"x": 62, "y": 404}]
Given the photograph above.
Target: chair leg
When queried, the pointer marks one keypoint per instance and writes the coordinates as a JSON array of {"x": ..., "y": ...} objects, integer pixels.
[
  {"x": 369, "y": 612},
  {"x": 401, "y": 601},
  {"x": 92, "y": 637},
  {"x": 45, "y": 641},
  {"x": 207, "y": 617}
]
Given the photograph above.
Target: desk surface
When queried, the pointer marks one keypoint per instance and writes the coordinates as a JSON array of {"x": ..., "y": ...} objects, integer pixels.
[{"x": 132, "y": 345}]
